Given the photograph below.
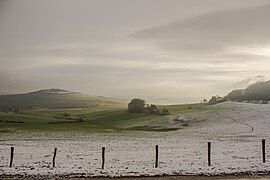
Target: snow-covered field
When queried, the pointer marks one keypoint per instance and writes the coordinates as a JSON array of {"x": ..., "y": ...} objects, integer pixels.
[{"x": 235, "y": 130}]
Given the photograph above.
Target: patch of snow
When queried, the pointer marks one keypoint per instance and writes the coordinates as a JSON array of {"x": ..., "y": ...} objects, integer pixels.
[{"x": 235, "y": 130}]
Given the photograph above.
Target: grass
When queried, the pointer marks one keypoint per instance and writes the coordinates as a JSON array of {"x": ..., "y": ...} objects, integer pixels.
[
  {"x": 91, "y": 119},
  {"x": 182, "y": 108},
  {"x": 57, "y": 101}
]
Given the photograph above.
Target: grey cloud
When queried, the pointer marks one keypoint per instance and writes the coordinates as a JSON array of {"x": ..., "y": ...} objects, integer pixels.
[
  {"x": 213, "y": 32},
  {"x": 82, "y": 45}
]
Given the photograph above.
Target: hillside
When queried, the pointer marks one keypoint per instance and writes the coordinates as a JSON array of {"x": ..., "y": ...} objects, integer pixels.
[
  {"x": 259, "y": 91},
  {"x": 61, "y": 110},
  {"x": 55, "y": 99}
]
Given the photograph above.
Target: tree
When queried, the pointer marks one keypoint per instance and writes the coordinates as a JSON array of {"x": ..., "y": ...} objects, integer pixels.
[
  {"x": 152, "y": 109},
  {"x": 213, "y": 100},
  {"x": 136, "y": 105},
  {"x": 165, "y": 112},
  {"x": 66, "y": 114}
]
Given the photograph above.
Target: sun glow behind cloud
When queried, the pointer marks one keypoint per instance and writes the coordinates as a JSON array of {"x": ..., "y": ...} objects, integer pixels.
[
  {"x": 262, "y": 50},
  {"x": 193, "y": 51}
]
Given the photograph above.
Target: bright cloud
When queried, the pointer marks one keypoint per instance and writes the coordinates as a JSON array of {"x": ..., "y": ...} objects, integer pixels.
[{"x": 113, "y": 50}]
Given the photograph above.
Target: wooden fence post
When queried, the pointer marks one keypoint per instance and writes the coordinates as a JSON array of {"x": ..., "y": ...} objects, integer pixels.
[
  {"x": 11, "y": 157},
  {"x": 209, "y": 153},
  {"x": 263, "y": 150},
  {"x": 103, "y": 157},
  {"x": 156, "y": 164},
  {"x": 54, "y": 156}
]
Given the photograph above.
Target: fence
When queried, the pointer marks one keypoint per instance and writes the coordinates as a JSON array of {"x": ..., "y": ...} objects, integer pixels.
[{"x": 12, "y": 155}]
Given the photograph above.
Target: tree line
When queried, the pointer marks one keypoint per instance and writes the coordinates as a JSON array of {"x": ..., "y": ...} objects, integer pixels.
[
  {"x": 138, "y": 105},
  {"x": 258, "y": 92}
]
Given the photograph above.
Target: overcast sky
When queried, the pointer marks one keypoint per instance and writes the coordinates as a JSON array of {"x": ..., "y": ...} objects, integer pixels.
[{"x": 134, "y": 48}]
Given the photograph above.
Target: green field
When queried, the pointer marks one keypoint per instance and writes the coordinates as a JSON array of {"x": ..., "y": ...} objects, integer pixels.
[
  {"x": 61, "y": 110},
  {"x": 90, "y": 119},
  {"x": 57, "y": 101}
]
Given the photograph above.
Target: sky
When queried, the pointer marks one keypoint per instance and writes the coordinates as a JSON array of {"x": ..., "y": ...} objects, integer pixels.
[{"x": 163, "y": 50}]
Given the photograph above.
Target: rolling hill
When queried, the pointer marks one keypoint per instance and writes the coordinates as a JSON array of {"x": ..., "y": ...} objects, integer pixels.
[
  {"x": 62, "y": 110},
  {"x": 56, "y": 99},
  {"x": 259, "y": 91}
]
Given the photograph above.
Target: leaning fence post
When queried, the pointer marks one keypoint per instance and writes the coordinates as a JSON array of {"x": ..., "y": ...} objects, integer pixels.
[
  {"x": 156, "y": 164},
  {"x": 11, "y": 157},
  {"x": 263, "y": 150},
  {"x": 103, "y": 157},
  {"x": 54, "y": 156},
  {"x": 209, "y": 153}
]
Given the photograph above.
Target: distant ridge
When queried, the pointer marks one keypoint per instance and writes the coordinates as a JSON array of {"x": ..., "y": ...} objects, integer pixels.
[
  {"x": 259, "y": 91},
  {"x": 56, "y": 99},
  {"x": 53, "y": 91}
]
